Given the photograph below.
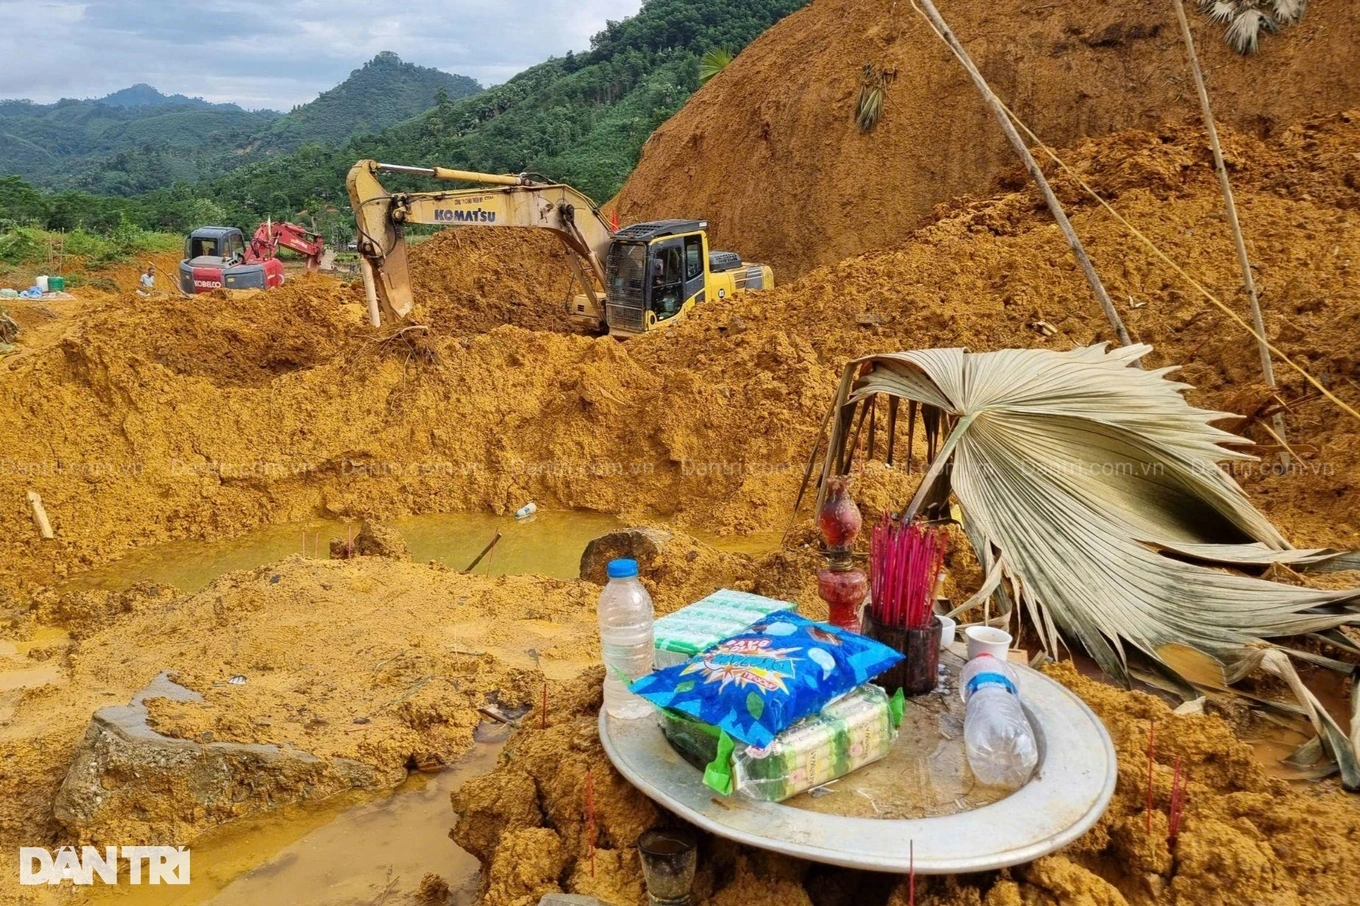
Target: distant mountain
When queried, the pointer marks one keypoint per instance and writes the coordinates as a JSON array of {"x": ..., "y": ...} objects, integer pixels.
[
  {"x": 143, "y": 95},
  {"x": 581, "y": 118},
  {"x": 381, "y": 93},
  {"x": 56, "y": 144},
  {"x": 138, "y": 140}
]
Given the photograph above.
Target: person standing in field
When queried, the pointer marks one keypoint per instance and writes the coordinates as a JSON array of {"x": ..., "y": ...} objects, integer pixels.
[{"x": 148, "y": 280}]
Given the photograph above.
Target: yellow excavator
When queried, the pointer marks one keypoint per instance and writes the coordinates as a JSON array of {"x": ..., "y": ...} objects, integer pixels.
[{"x": 631, "y": 280}]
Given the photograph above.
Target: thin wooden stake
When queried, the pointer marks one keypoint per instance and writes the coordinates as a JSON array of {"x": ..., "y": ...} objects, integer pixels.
[
  {"x": 893, "y": 402},
  {"x": 1243, "y": 261},
  {"x": 486, "y": 550},
  {"x": 1037, "y": 174},
  {"x": 873, "y": 426},
  {"x": 40, "y": 516},
  {"x": 911, "y": 432}
]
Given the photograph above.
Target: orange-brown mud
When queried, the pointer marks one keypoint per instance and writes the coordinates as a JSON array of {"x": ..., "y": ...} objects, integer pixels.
[
  {"x": 375, "y": 660},
  {"x": 770, "y": 154},
  {"x": 168, "y": 418},
  {"x": 145, "y": 419}
]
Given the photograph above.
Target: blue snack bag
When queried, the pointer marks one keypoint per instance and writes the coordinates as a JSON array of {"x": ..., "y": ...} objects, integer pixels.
[{"x": 757, "y": 683}]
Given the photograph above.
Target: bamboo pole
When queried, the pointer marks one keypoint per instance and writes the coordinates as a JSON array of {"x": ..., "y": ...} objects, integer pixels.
[
  {"x": 40, "y": 516},
  {"x": 1243, "y": 261},
  {"x": 943, "y": 30}
]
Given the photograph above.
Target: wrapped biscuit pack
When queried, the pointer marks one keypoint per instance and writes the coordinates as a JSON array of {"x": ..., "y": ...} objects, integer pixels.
[
  {"x": 703, "y": 624},
  {"x": 855, "y": 730}
]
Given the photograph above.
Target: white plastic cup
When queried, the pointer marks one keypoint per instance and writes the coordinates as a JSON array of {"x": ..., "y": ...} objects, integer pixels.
[
  {"x": 987, "y": 640},
  {"x": 947, "y": 627}
]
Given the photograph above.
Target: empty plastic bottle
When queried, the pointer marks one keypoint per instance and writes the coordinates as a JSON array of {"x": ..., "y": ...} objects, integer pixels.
[
  {"x": 996, "y": 734},
  {"x": 626, "y": 617}
]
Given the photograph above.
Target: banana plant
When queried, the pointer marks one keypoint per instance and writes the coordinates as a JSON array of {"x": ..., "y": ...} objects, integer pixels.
[{"x": 1094, "y": 498}]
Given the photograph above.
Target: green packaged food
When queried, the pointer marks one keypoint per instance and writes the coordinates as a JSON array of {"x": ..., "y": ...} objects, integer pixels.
[
  {"x": 696, "y": 741},
  {"x": 856, "y": 729},
  {"x": 703, "y": 624}
]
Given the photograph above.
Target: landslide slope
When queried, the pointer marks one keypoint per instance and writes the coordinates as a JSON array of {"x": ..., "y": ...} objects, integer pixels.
[
  {"x": 168, "y": 418},
  {"x": 770, "y": 153}
]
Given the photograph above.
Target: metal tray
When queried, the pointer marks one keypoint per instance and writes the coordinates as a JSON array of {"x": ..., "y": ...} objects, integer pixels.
[{"x": 1070, "y": 791}]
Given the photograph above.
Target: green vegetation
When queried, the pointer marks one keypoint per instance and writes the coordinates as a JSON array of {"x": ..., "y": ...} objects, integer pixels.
[
  {"x": 580, "y": 119},
  {"x": 59, "y": 145},
  {"x": 24, "y": 246},
  {"x": 383, "y": 92},
  {"x": 138, "y": 140},
  {"x": 712, "y": 63}
]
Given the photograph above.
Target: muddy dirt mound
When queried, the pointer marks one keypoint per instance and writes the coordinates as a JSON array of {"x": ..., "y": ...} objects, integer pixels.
[
  {"x": 769, "y": 151},
  {"x": 1243, "y": 836},
  {"x": 709, "y": 422},
  {"x": 471, "y": 280},
  {"x": 372, "y": 660},
  {"x": 241, "y": 339}
]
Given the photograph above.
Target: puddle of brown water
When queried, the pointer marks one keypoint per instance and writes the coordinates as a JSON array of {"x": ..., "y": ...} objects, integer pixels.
[
  {"x": 336, "y": 854},
  {"x": 549, "y": 543},
  {"x": 18, "y": 672}
]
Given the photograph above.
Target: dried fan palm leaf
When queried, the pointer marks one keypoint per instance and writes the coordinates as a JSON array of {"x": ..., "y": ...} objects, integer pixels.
[{"x": 1096, "y": 490}]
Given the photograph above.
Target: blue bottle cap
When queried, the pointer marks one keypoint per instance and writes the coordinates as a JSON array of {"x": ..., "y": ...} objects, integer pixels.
[{"x": 622, "y": 569}]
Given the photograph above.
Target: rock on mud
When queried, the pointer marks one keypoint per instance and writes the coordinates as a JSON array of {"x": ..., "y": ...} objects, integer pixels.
[
  {"x": 374, "y": 540},
  {"x": 641, "y": 544},
  {"x": 129, "y": 784}
]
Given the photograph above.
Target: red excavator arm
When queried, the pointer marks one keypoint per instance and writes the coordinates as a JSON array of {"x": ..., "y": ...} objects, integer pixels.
[{"x": 270, "y": 236}]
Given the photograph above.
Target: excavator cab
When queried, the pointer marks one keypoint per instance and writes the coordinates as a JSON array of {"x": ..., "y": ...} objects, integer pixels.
[{"x": 663, "y": 268}]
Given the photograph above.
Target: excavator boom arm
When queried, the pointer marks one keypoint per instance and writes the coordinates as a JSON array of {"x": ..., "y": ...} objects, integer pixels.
[{"x": 501, "y": 201}]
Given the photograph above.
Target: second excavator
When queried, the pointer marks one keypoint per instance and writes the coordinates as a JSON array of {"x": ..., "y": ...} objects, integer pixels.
[{"x": 631, "y": 280}]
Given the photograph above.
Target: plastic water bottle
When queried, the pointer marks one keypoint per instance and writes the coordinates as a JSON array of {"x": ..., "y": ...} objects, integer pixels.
[
  {"x": 527, "y": 510},
  {"x": 996, "y": 734},
  {"x": 626, "y": 617}
]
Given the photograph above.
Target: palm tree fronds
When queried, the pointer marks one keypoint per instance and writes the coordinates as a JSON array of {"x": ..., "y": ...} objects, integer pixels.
[{"x": 712, "y": 63}]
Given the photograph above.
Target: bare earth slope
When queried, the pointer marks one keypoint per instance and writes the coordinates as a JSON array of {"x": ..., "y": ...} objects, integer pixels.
[
  {"x": 163, "y": 418},
  {"x": 769, "y": 151}
]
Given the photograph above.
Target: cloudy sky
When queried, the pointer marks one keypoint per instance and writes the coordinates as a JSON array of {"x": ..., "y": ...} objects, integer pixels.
[{"x": 276, "y": 53}]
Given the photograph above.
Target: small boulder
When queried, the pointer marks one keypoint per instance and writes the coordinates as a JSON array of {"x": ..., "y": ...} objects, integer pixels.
[
  {"x": 374, "y": 540},
  {"x": 641, "y": 544}
]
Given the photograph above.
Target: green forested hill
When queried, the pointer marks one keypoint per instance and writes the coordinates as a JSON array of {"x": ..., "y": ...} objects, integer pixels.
[
  {"x": 384, "y": 91},
  {"x": 138, "y": 140},
  {"x": 50, "y": 144},
  {"x": 579, "y": 119},
  {"x": 143, "y": 95}
]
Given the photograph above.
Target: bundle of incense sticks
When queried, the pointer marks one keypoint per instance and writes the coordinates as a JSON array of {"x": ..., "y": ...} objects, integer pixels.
[{"x": 905, "y": 561}]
